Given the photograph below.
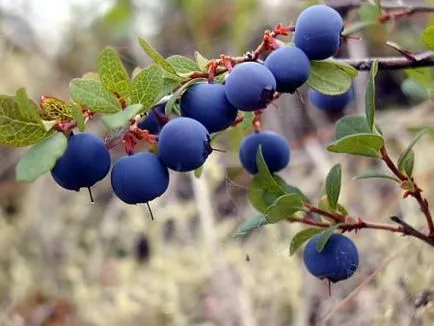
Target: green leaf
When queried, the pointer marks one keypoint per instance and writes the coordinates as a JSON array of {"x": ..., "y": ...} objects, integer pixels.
[
  {"x": 250, "y": 225},
  {"x": 41, "y": 157},
  {"x": 182, "y": 64},
  {"x": 178, "y": 93},
  {"x": 198, "y": 172},
  {"x": 91, "y": 94},
  {"x": 328, "y": 78},
  {"x": 156, "y": 57},
  {"x": 202, "y": 62},
  {"x": 283, "y": 207},
  {"x": 28, "y": 108},
  {"x": 357, "y": 27},
  {"x": 369, "y": 13},
  {"x": 261, "y": 198},
  {"x": 147, "y": 86},
  {"x": 326, "y": 234},
  {"x": 120, "y": 119},
  {"x": 358, "y": 144},
  {"x": 378, "y": 4},
  {"x": 406, "y": 159},
  {"x": 370, "y": 96},
  {"x": 301, "y": 237},
  {"x": 265, "y": 177},
  {"x": 112, "y": 73},
  {"x": 371, "y": 175},
  {"x": 324, "y": 205},
  {"x": 423, "y": 76},
  {"x": 333, "y": 185},
  {"x": 77, "y": 115},
  {"x": 351, "y": 125},
  {"x": 349, "y": 70},
  {"x": 428, "y": 37},
  {"x": 18, "y": 128},
  {"x": 169, "y": 85}
]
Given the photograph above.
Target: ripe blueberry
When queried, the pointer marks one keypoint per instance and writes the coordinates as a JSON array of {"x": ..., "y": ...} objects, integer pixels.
[
  {"x": 318, "y": 32},
  {"x": 154, "y": 121},
  {"x": 275, "y": 150},
  {"x": 330, "y": 103},
  {"x": 184, "y": 144},
  {"x": 290, "y": 67},
  {"x": 207, "y": 103},
  {"x": 139, "y": 178},
  {"x": 250, "y": 86},
  {"x": 85, "y": 162},
  {"x": 336, "y": 262}
]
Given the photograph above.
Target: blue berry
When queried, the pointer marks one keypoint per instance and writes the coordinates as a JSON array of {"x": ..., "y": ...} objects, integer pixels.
[
  {"x": 250, "y": 86},
  {"x": 336, "y": 262},
  {"x": 275, "y": 150},
  {"x": 184, "y": 144},
  {"x": 290, "y": 67},
  {"x": 153, "y": 122},
  {"x": 139, "y": 178},
  {"x": 331, "y": 103},
  {"x": 318, "y": 32},
  {"x": 207, "y": 103},
  {"x": 85, "y": 162}
]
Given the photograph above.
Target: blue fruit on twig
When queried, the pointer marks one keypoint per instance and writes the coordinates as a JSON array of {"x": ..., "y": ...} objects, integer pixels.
[
  {"x": 275, "y": 150},
  {"x": 139, "y": 178},
  {"x": 336, "y": 262},
  {"x": 250, "y": 86},
  {"x": 184, "y": 144},
  {"x": 318, "y": 32},
  {"x": 85, "y": 162},
  {"x": 290, "y": 67},
  {"x": 207, "y": 103}
]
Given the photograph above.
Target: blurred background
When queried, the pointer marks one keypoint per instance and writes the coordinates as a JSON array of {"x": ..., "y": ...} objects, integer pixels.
[{"x": 64, "y": 261}]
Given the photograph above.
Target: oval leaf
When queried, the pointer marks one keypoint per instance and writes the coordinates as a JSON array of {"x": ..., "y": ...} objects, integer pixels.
[
  {"x": 156, "y": 57},
  {"x": 41, "y": 157},
  {"x": 406, "y": 159},
  {"x": 182, "y": 64},
  {"x": 91, "y": 94},
  {"x": 370, "y": 96},
  {"x": 120, "y": 119},
  {"x": 358, "y": 144},
  {"x": 284, "y": 206},
  {"x": 250, "y": 225},
  {"x": 112, "y": 73},
  {"x": 333, "y": 185},
  {"x": 265, "y": 178},
  {"x": 371, "y": 175},
  {"x": 325, "y": 236},
  {"x": 146, "y": 87},
  {"x": 327, "y": 77},
  {"x": 301, "y": 237},
  {"x": 351, "y": 125}
]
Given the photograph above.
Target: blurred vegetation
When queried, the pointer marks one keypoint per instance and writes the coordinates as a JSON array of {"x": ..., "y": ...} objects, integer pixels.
[{"x": 66, "y": 262}]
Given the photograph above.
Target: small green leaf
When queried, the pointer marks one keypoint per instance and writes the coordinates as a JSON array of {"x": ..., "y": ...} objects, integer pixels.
[
  {"x": 147, "y": 86},
  {"x": 77, "y": 115},
  {"x": 250, "y": 225},
  {"x": 18, "y": 128},
  {"x": 178, "y": 93},
  {"x": 120, "y": 119},
  {"x": 369, "y": 13},
  {"x": 357, "y": 27},
  {"x": 261, "y": 198},
  {"x": 351, "y": 125},
  {"x": 301, "y": 237},
  {"x": 407, "y": 156},
  {"x": 328, "y": 78},
  {"x": 202, "y": 62},
  {"x": 265, "y": 177},
  {"x": 41, "y": 157},
  {"x": 28, "y": 108},
  {"x": 283, "y": 207},
  {"x": 91, "y": 94},
  {"x": 428, "y": 37},
  {"x": 358, "y": 144},
  {"x": 326, "y": 234},
  {"x": 182, "y": 64},
  {"x": 371, "y": 175},
  {"x": 169, "y": 85},
  {"x": 112, "y": 73},
  {"x": 333, "y": 185},
  {"x": 370, "y": 96},
  {"x": 156, "y": 57}
]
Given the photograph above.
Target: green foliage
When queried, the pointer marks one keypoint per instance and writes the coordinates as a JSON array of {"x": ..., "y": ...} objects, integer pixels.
[
  {"x": 250, "y": 225},
  {"x": 284, "y": 206},
  {"x": 369, "y": 13},
  {"x": 201, "y": 61},
  {"x": 156, "y": 57},
  {"x": 260, "y": 197},
  {"x": 265, "y": 178},
  {"x": 301, "y": 237},
  {"x": 358, "y": 144},
  {"x": 19, "y": 126},
  {"x": 329, "y": 78},
  {"x": 351, "y": 125},
  {"x": 112, "y": 73},
  {"x": 406, "y": 159},
  {"x": 77, "y": 115},
  {"x": 427, "y": 37},
  {"x": 41, "y": 157},
  {"x": 372, "y": 175},
  {"x": 91, "y": 94},
  {"x": 370, "y": 97},
  {"x": 170, "y": 104},
  {"x": 333, "y": 185},
  {"x": 325, "y": 236},
  {"x": 120, "y": 119},
  {"x": 146, "y": 87},
  {"x": 183, "y": 66}
]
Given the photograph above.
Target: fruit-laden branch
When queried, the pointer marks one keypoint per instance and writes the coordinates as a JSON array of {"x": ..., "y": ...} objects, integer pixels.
[{"x": 424, "y": 59}]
